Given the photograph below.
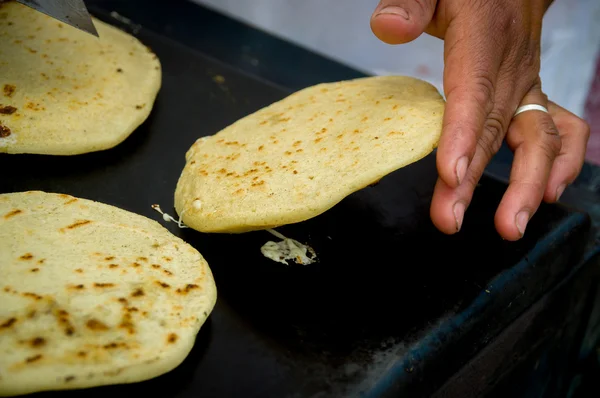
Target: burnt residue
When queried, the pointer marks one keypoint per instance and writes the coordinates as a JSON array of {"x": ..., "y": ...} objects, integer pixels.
[
  {"x": 37, "y": 342},
  {"x": 172, "y": 338},
  {"x": 8, "y": 323},
  {"x": 187, "y": 288},
  {"x": 78, "y": 224},
  {"x": 4, "y": 131},
  {"x": 12, "y": 213},
  {"x": 34, "y": 358},
  {"x": 7, "y": 110},
  {"x": 101, "y": 284},
  {"x": 9, "y": 90},
  {"x": 96, "y": 325},
  {"x": 64, "y": 321}
]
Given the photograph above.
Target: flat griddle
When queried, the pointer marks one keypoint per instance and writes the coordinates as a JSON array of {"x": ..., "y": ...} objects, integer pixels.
[{"x": 391, "y": 306}]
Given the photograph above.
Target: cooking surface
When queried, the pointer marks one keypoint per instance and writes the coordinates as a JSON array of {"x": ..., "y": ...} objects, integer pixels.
[{"x": 386, "y": 284}]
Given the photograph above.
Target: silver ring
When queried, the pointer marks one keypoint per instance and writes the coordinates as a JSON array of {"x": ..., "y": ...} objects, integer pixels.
[{"x": 530, "y": 107}]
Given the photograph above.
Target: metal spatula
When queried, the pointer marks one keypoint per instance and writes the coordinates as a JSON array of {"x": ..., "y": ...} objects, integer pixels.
[{"x": 71, "y": 12}]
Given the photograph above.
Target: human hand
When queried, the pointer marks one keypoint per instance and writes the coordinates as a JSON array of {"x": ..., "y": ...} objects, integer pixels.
[{"x": 492, "y": 63}]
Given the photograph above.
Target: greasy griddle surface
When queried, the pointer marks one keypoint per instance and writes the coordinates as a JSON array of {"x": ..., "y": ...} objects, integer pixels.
[{"x": 385, "y": 275}]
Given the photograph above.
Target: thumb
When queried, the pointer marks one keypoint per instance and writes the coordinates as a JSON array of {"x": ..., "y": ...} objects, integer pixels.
[{"x": 401, "y": 21}]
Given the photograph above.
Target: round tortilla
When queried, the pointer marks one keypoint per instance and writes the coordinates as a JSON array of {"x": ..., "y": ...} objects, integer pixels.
[
  {"x": 66, "y": 92},
  {"x": 298, "y": 157},
  {"x": 93, "y": 295}
]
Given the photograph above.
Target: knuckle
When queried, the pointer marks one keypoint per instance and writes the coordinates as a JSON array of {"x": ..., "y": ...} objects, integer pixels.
[
  {"x": 473, "y": 179},
  {"x": 480, "y": 90},
  {"x": 583, "y": 128},
  {"x": 425, "y": 6},
  {"x": 550, "y": 146},
  {"x": 491, "y": 141},
  {"x": 497, "y": 123},
  {"x": 530, "y": 60},
  {"x": 573, "y": 170},
  {"x": 533, "y": 186},
  {"x": 483, "y": 87}
]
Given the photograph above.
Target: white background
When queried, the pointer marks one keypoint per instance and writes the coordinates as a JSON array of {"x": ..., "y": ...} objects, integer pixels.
[{"x": 340, "y": 29}]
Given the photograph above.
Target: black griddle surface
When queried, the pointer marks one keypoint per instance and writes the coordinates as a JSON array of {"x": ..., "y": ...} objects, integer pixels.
[{"x": 385, "y": 278}]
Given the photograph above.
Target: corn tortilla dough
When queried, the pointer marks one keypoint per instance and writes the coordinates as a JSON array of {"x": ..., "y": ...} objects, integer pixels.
[
  {"x": 66, "y": 92},
  {"x": 298, "y": 157},
  {"x": 93, "y": 295}
]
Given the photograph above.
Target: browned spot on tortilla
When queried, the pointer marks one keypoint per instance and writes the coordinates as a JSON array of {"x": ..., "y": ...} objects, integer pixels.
[
  {"x": 4, "y": 131},
  {"x": 8, "y": 323},
  {"x": 109, "y": 258},
  {"x": 113, "y": 265},
  {"x": 12, "y": 213},
  {"x": 63, "y": 320},
  {"x": 187, "y": 288},
  {"x": 68, "y": 202},
  {"x": 126, "y": 323},
  {"x": 135, "y": 265},
  {"x": 96, "y": 325},
  {"x": 34, "y": 270},
  {"x": 69, "y": 378},
  {"x": 77, "y": 287},
  {"x": 37, "y": 342},
  {"x": 41, "y": 261},
  {"x": 137, "y": 293},
  {"x": 172, "y": 338},
  {"x": 9, "y": 90},
  {"x": 7, "y": 110},
  {"x": 142, "y": 259},
  {"x": 79, "y": 270},
  {"x": 167, "y": 259},
  {"x": 102, "y": 285},
  {"x": 26, "y": 256},
  {"x": 163, "y": 285},
  {"x": 113, "y": 345},
  {"x": 34, "y": 107},
  {"x": 76, "y": 224},
  {"x": 33, "y": 358},
  {"x": 34, "y": 296}
]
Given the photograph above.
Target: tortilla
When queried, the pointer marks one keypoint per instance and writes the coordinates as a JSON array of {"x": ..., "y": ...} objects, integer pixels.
[
  {"x": 66, "y": 92},
  {"x": 298, "y": 157},
  {"x": 93, "y": 295}
]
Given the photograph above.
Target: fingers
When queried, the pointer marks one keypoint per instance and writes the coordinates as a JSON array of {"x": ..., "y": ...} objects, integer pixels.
[
  {"x": 536, "y": 143},
  {"x": 448, "y": 205},
  {"x": 470, "y": 83},
  {"x": 401, "y": 21},
  {"x": 574, "y": 133}
]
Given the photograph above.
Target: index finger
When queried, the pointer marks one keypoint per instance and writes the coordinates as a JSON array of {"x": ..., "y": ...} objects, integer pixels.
[{"x": 470, "y": 75}]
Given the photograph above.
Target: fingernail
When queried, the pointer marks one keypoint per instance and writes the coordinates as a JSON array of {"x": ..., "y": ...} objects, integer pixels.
[
  {"x": 395, "y": 10},
  {"x": 459, "y": 214},
  {"x": 559, "y": 191},
  {"x": 461, "y": 169},
  {"x": 521, "y": 220}
]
